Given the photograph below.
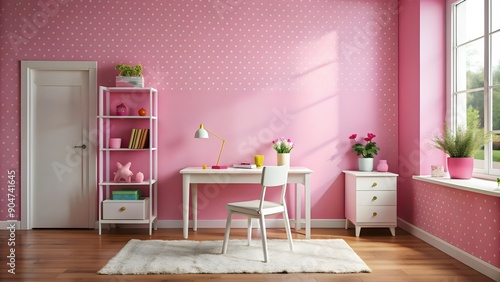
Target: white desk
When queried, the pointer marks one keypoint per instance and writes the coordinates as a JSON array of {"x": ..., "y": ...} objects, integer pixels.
[{"x": 191, "y": 176}]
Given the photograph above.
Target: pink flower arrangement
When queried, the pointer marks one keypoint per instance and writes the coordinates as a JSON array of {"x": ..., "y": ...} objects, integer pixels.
[
  {"x": 282, "y": 145},
  {"x": 367, "y": 150}
]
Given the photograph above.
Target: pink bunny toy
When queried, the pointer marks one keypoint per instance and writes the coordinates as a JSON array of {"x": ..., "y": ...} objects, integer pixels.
[{"x": 123, "y": 172}]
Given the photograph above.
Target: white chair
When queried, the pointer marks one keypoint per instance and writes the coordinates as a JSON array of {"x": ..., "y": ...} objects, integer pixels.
[{"x": 272, "y": 177}]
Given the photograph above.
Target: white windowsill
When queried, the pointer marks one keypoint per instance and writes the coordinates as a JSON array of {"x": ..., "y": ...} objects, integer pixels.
[{"x": 474, "y": 185}]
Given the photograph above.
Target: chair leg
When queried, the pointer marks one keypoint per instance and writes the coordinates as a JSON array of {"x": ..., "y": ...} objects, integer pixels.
[
  {"x": 226, "y": 234},
  {"x": 264, "y": 237},
  {"x": 249, "y": 231},
  {"x": 287, "y": 228}
]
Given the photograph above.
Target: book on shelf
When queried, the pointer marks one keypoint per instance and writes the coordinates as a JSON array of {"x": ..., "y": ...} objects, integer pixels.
[
  {"x": 139, "y": 138},
  {"x": 244, "y": 165},
  {"x": 146, "y": 141},
  {"x": 132, "y": 138},
  {"x": 144, "y": 137}
]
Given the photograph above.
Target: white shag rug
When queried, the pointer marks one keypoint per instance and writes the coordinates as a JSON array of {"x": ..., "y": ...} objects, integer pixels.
[{"x": 186, "y": 256}]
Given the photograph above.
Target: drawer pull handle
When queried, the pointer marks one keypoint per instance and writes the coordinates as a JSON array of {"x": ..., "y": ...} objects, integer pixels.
[
  {"x": 123, "y": 209},
  {"x": 374, "y": 184},
  {"x": 374, "y": 198},
  {"x": 374, "y": 213}
]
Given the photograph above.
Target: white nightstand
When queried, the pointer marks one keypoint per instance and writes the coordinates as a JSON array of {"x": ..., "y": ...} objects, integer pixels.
[{"x": 370, "y": 200}]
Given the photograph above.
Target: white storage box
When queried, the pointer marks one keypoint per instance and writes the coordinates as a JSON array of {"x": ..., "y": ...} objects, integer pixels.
[{"x": 125, "y": 209}]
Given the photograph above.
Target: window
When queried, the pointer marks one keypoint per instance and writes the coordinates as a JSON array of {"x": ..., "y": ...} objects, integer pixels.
[{"x": 475, "y": 77}]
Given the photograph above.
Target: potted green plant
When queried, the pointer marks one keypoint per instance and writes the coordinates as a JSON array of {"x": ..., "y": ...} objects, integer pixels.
[
  {"x": 366, "y": 151},
  {"x": 462, "y": 144},
  {"x": 129, "y": 76}
]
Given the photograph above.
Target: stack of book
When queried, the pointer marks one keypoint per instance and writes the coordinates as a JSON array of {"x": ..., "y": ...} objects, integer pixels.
[
  {"x": 244, "y": 165},
  {"x": 139, "y": 138}
]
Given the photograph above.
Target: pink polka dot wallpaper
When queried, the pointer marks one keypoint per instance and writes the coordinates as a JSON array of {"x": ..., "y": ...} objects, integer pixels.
[
  {"x": 467, "y": 220},
  {"x": 314, "y": 71}
]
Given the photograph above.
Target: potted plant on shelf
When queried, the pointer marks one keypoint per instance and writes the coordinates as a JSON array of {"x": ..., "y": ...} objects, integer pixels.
[
  {"x": 129, "y": 76},
  {"x": 462, "y": 144},
  {"x": 366, "y": 151}
]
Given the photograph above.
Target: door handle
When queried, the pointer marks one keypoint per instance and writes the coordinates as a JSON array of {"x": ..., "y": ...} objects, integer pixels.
[{"x": 81, "y": 146}]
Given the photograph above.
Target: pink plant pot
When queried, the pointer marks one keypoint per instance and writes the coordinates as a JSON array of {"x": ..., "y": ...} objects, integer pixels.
[
  {"x": 115, "y": 143},
  {"x": 460, "y": 168}
]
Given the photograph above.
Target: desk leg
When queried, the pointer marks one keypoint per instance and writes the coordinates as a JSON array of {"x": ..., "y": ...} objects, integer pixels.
[
  {"x": 298, "y": 208},
  {"x": 185, "y": 205},
  {"x": 307, "y": 187},
  {"x": 194, "y": 194}
]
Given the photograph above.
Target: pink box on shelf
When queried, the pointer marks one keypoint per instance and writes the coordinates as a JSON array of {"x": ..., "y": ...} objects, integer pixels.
[{"x": 115, "y": 143}]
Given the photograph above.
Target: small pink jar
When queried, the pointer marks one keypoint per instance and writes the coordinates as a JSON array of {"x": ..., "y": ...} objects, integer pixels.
[{"x": 382, "y": 166}]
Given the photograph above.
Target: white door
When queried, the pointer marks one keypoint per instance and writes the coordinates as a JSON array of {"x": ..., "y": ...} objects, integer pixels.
[{"x": 60, "y": 145}]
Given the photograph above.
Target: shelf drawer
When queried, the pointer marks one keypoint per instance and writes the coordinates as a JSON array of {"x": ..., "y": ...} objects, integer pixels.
[
  {"x": 125, "y": 209},
  {"x": 376, "y": 183},
  {"x": 376, "y": 214},
  {"x": 376, "y": 198}
]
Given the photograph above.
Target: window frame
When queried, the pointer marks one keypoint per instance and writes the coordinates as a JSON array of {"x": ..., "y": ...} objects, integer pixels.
[{"x": 451, "y": 61}]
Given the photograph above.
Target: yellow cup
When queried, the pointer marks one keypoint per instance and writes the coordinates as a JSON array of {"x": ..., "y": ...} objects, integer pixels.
[{"x": 259, "y": 160}]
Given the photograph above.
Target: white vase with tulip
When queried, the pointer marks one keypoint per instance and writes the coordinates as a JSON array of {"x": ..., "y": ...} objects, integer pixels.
[
  {"x": 283, "y": 147},
  {"x": 366, "y": 151},
  {"x": 283, "y": 159}
]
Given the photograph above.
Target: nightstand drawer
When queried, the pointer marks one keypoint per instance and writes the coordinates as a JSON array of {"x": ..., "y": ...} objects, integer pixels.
[
  {"x": 375, "y": 214},
  {"x": 376, "y": 183},
  {"x": 376, "y": 198},
  {"x": 125, "y": 209}
]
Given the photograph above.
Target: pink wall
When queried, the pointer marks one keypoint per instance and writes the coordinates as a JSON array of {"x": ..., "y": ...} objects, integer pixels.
[
  {"x": 250, "y": 71},
  {"x": 422, "y": 85},
  {"x": 422, "y": 88},
  {"x": 466, "y": 220},
  {"x": 432, "y": 80},
  {"x": 409, "y": 101}
]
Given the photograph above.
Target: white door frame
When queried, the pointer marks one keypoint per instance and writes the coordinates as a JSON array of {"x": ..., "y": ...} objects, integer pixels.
[{"x": 27, "y": 127}]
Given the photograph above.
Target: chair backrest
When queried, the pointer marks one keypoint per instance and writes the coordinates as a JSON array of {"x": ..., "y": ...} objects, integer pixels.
[{"x": 274, "y": 176}]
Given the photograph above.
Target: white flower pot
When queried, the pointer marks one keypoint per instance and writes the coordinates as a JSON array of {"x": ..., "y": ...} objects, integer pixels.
[
  {"x": 284, "y": 159},
  {"x": 365, "y": 164}
]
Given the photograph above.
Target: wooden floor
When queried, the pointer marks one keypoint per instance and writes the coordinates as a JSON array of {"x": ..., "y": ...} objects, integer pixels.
[{"x": 76, "y": 255}]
